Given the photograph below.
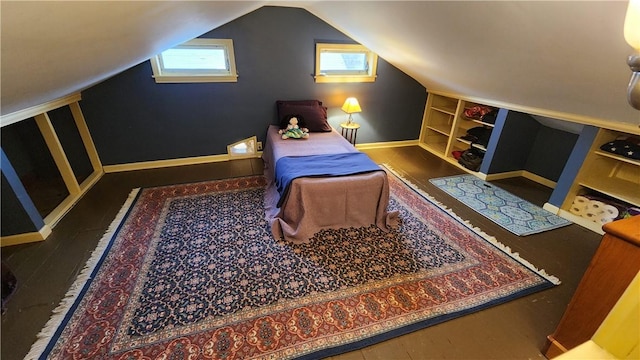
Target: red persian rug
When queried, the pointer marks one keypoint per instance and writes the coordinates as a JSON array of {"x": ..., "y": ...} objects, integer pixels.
[{"x": 192, "y": 272}]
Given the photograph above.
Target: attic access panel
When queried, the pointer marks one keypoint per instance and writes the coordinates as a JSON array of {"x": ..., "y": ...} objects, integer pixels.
[{"x": 246, "y": 148}]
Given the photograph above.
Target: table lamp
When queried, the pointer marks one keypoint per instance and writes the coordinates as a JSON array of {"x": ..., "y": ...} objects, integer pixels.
[{"x": 351, "y": 106}]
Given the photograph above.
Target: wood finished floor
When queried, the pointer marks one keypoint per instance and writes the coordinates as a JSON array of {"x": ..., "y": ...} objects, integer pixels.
[{"x": 515, "y": 330}]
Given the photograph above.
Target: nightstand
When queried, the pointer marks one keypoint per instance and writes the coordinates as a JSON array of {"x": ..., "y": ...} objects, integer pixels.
[{"x": 350, "y": 131}]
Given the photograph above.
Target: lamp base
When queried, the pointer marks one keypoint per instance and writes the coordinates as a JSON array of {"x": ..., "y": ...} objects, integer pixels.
[
  {"x": 633, "y": 91},
  {"x": 350, "y": 120}
]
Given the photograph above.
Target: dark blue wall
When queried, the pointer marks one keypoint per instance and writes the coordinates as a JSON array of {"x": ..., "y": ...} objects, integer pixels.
[
  {"x": 550, "y": 152},
  {"x": 525, "y": 144},
  {"x": 517, "y": 137},
  {"x": 69, "y": 136},
  {"x": 574, "y": 162},
  {"x": 15, "y": 219},
  {"x": 499, "y": 124},
  {"x": 132, "y": 119},
  {"x": 19, "y": 214}
]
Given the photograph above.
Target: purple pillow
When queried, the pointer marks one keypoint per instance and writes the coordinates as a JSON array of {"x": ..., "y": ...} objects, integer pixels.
[{"x": 312, "y": 112}]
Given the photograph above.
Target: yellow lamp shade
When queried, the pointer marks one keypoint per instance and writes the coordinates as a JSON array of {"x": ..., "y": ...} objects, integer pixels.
[
  {"x": 351, "y": 106},
  {"x": 632, "y": 24}
]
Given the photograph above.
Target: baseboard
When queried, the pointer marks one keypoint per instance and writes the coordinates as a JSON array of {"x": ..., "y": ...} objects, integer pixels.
[
  {"x": 539, "y": 179},
  {"x": 156, "y": 164},
  {"x": 581, "y": 221},
  {"x": 25, "y": 238},
  {"x": 70, "y": 201},
  {"x": 504, "y": 175},
  {"x": 145, "y": 165},
  {"x": 387, "y": 144},
  {"x": 525, "y": 174},
  {"x": 551, "y": 208},
  {"x": 58, "y": 213}
]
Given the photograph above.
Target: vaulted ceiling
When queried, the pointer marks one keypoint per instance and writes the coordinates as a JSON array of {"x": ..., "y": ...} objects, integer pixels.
[{"x": 565, "y": 58}]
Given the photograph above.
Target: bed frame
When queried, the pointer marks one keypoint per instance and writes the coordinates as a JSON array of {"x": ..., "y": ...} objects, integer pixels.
[{"x": 315, "y": 203}]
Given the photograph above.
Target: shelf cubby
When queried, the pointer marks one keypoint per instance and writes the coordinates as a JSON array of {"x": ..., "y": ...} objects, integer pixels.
[
  {"x": 443, "y": 126},
  {"x": 605, "y": 175}
]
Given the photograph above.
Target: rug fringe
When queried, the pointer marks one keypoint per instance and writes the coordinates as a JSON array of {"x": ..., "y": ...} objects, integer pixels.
[
  {"x": 58, "y": 314},
  {"x": 491, "y": 239}
]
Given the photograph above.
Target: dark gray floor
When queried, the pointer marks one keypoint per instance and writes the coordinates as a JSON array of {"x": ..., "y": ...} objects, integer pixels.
[{"x": 515, "y": 330}]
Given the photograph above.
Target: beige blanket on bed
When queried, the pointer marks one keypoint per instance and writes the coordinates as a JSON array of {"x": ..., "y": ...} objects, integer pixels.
[{"x": 315, "y": 203}]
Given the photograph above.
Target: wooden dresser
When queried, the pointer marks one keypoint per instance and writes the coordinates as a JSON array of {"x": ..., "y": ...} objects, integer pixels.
[{"x": 614, "y": 265}]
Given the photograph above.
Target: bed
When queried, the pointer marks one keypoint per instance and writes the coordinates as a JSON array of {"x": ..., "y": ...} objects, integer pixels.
[{"x": 298, "y": 209}]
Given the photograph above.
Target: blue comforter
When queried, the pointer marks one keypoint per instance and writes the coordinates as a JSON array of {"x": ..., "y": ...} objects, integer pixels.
[{"x": 292, "y": 167}]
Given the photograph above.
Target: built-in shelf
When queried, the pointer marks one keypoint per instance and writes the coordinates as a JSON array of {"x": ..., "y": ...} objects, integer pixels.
[
  {"x": 602, "y": 173},
  {"x": 481, "y": 122},
  {"x": 444, "y": 125},
  {"x": 605, "y": 175},
  {"x": 477, "y": 146},
  {"x": 447, "y": 110},
  {"x": 618, "y": 157},
  {"x": 624, "y": 191},
  {"x": 442, "y": 129}
]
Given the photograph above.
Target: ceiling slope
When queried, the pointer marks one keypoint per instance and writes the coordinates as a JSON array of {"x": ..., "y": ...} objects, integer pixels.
[
  {"x": 564, "y": 57},
  {"x": 50, "y": 49}
]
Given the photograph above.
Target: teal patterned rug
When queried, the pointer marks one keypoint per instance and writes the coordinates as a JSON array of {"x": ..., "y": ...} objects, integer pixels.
[{"x": 503, "y": 208}]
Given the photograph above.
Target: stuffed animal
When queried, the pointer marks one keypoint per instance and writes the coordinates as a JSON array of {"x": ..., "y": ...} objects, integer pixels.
[{"x": 294, "y": 131}]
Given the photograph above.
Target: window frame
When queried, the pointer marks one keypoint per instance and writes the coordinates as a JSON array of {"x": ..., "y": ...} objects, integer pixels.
[
  {"x": 195, "y": 76},
  {"x": 372, "y": 61}
]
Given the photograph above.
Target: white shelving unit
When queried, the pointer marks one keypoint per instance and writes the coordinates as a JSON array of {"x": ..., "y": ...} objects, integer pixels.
[
  {"x": 444, "y": 125},
  {"x": 607, "y": 174},
  {"x": 601, "y": 173}
]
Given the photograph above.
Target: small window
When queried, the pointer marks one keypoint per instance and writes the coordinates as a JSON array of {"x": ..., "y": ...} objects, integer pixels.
[
  {"x": 198, "y": 60},
  {"x": 345, "y": 63}
]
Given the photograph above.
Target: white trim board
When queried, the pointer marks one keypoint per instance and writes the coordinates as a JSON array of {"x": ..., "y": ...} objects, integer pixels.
[
  {"x": 597, "y": 228},
  {"x": 26, "y": 237},
  {"x": 155, "y": 164},
  {"x": 581, "y": 119},
  {"x": 387, "y": 144},
  {"x": 523, "y": 173},
  {"x": 19, "y": 115}
]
